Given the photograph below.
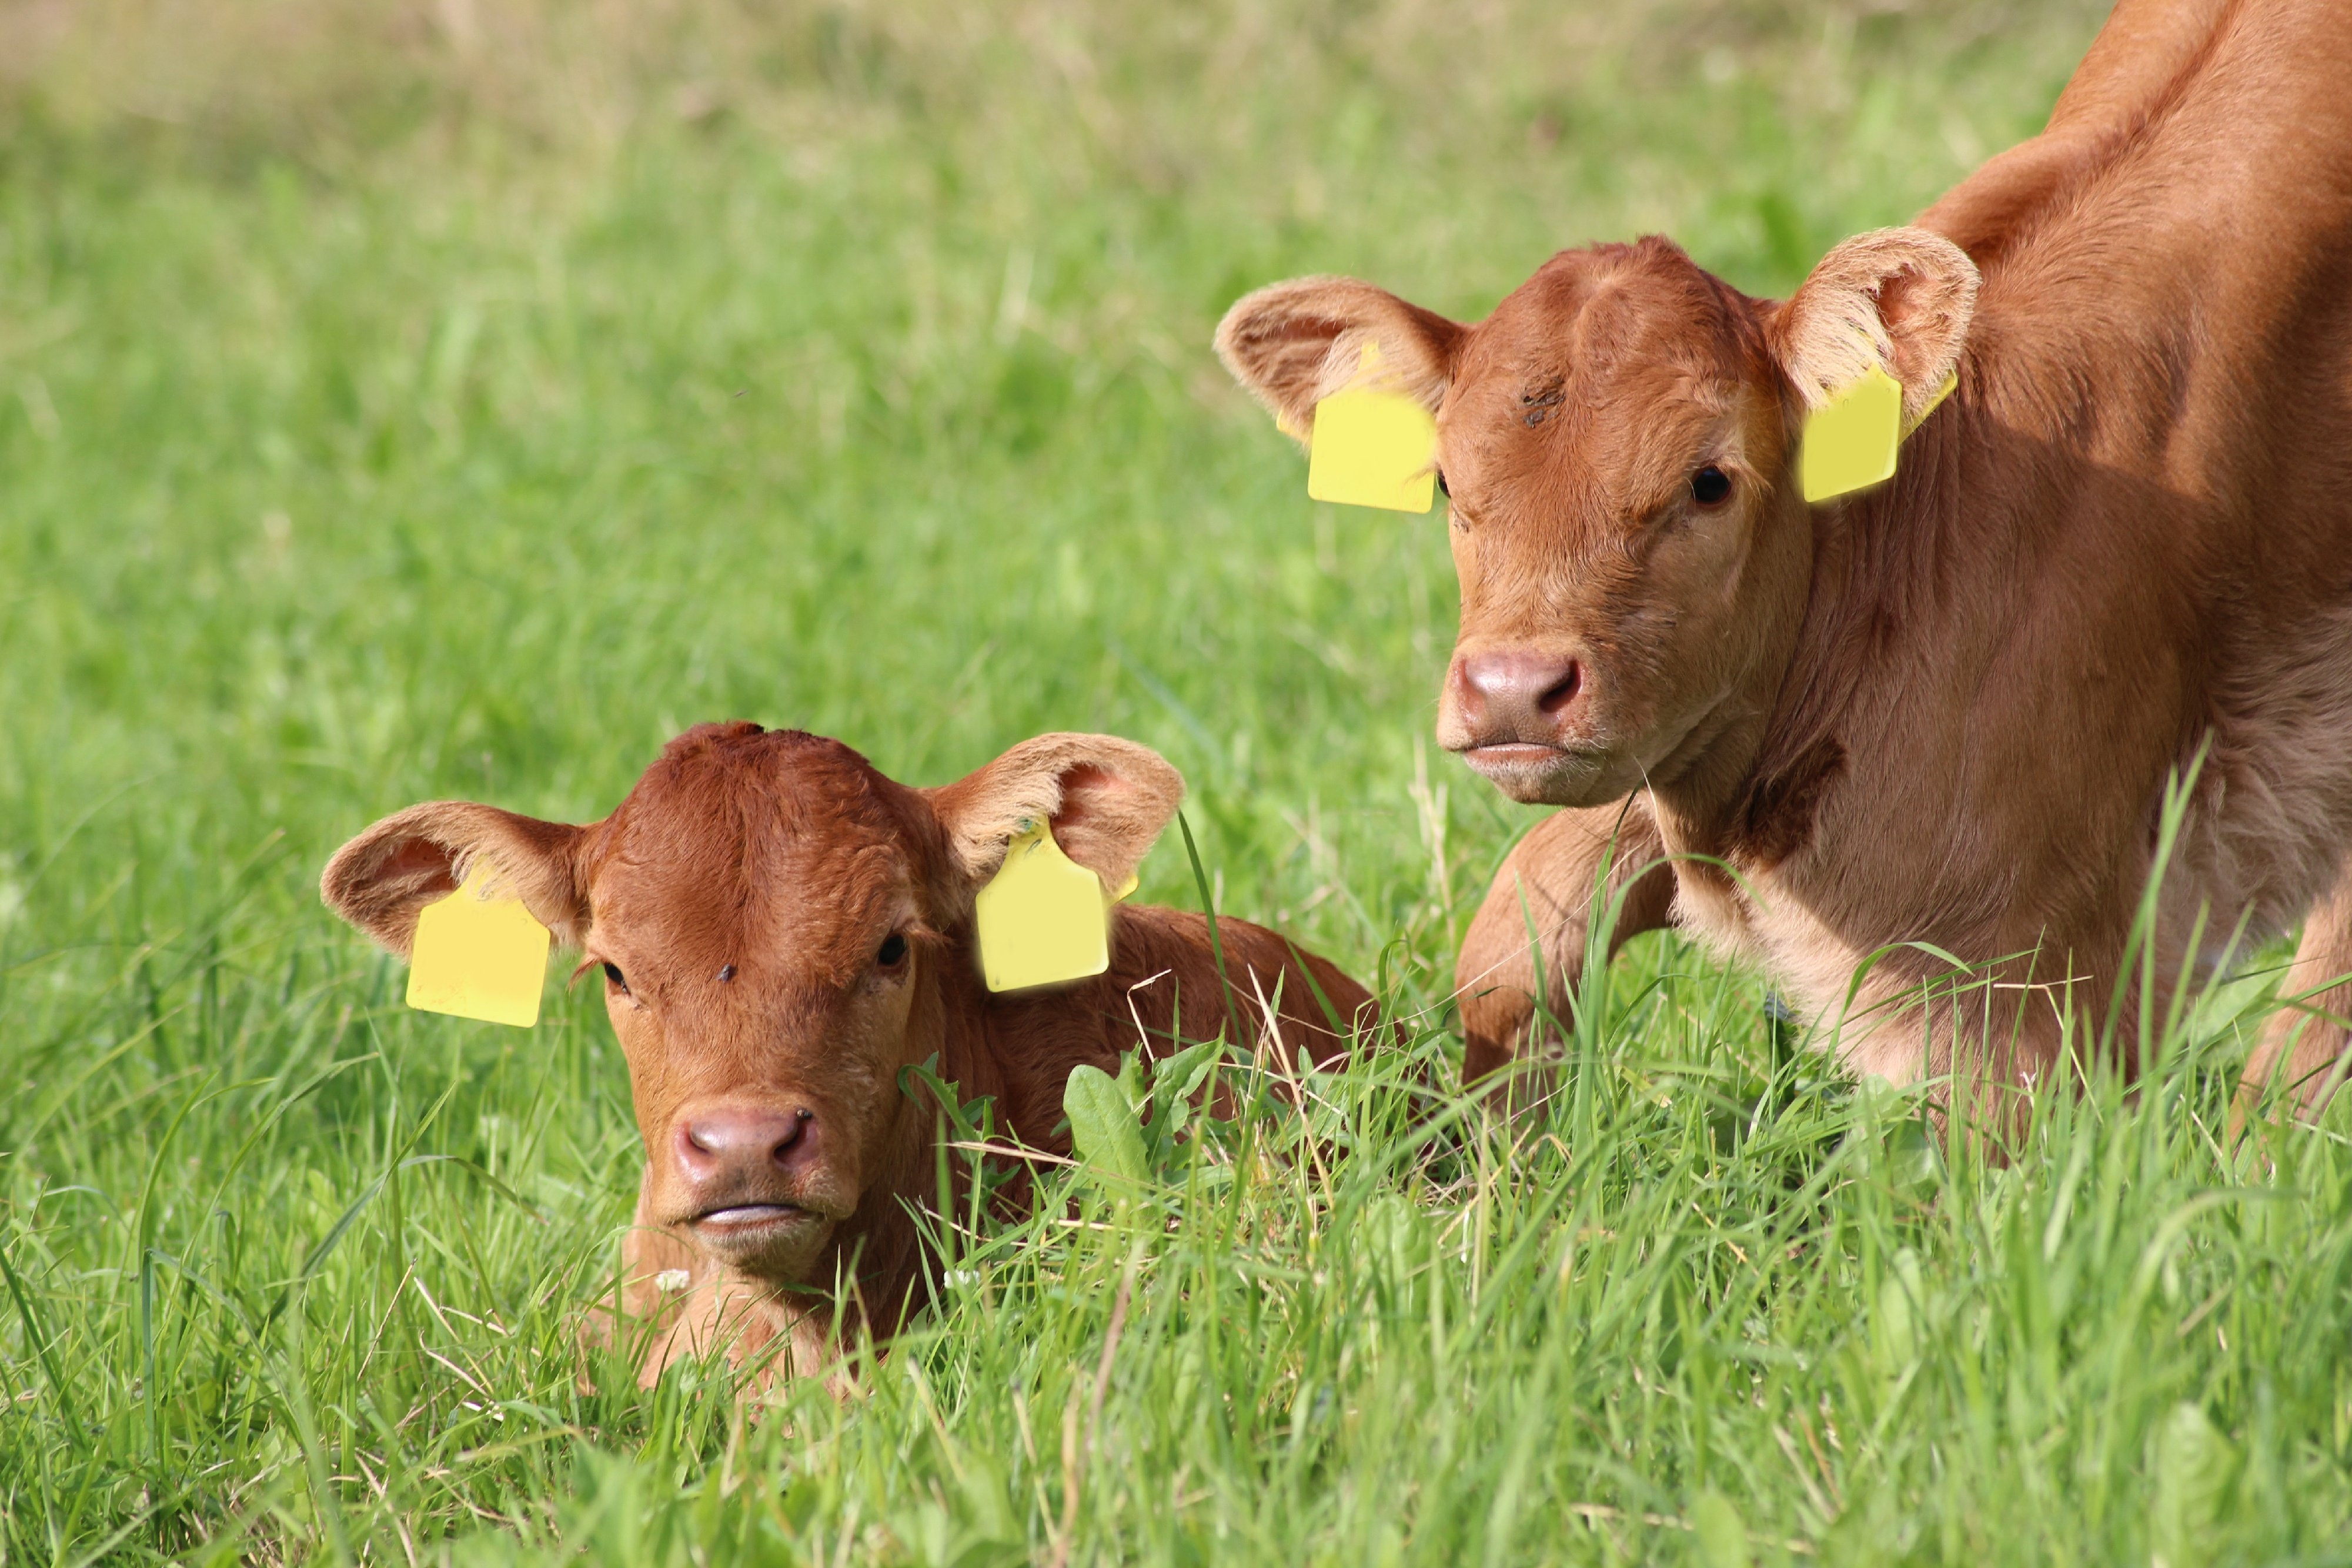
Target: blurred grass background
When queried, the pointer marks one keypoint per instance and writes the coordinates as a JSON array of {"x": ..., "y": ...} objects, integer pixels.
[
  {"x": 401, "y": 400},
  {"x": 461, "y": 398}
]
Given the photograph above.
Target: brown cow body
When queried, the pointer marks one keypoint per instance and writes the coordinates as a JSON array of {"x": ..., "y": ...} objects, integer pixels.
[
  {"x": 781, "y": 931},
  {"x": 1944, "y": 711}
]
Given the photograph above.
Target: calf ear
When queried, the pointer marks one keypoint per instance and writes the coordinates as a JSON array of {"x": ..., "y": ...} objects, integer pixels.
[
  {"x": 381, "y": 880},
  {"x": 1897, "y": 299},
  {"x": 1296, "y": 343},
  {"x": 1106, "y": 799}
]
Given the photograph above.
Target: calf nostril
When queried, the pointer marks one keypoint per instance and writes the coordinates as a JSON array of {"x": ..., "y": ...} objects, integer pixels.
[
  {"x": 698, "y": 1156},
  {"x": 794, "y": 1131},
  {"x": 1473, "y": 680},
  {"x": 1561, "y": 692}
]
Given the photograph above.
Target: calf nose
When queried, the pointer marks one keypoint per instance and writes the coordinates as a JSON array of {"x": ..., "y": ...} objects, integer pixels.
[
  {"x": 743, "y": 1145},
  {"x": 1515, "y": 695}
]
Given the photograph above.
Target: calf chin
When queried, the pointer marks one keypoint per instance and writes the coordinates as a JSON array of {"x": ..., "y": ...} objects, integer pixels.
[
  {"x": 1553, "y": 775},
  {"x": 778, "y": 1243}
]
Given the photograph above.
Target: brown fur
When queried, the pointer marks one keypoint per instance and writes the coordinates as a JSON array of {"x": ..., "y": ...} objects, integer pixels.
[
  {"x": 744, "y": 891},
  {"x": 1944, "y": 711}
]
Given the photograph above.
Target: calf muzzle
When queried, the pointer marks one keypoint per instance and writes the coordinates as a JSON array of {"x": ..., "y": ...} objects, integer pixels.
[
  {"x": 728, "y": 1146},
  {"x": 1513, "y": 696},
  {"x": 1524, "y": 718},
  {"x": 744, "y": 1176}
]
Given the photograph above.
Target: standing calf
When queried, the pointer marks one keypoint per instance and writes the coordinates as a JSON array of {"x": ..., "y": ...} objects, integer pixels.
[
  {"x": 780, "y": 931},
  {"x": 1943, "y": 713}
]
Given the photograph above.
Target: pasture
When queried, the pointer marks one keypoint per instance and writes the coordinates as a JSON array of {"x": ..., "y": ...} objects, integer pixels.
[{"x": 405, "y": 401}]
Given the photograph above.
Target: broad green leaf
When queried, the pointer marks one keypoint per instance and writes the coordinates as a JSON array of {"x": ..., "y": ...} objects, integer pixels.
[
  {"x": 1722, "y": 1538},
  {"x": 1103, "y": 1132}
]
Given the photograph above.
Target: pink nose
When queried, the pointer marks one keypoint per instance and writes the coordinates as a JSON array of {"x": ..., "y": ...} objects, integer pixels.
[
  {"x": 1511, "y": 694},
  {"x": 735, "y": 1150}
]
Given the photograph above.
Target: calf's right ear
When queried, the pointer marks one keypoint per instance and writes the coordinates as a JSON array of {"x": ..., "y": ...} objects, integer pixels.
[
  {"x": 1294, "y": 344},
  {"x": 1106, "y": 799},
  {"x": 381, "y": 879}
]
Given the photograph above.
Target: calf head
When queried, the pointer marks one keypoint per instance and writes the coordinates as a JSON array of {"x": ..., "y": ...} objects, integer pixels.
[
  {"x": 776, "y": 926},
  {"x": 1617, "y": 443}
]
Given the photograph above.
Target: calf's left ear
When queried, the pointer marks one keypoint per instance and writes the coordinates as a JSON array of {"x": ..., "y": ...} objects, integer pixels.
[
  {"x": 1897, "y": 299},
  {"x": 381, "y": 879},
  {"x": 1106, "y": 799}
]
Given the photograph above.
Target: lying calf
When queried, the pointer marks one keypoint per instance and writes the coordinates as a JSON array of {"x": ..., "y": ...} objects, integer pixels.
[{"x": 780, "y": 929}]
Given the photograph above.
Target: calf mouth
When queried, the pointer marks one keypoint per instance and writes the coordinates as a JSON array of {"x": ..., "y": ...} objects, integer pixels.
[
  {"x": 751, "y": 1221},
  {"x": 766, "y": 1240},
  {"x": 763, "y": 1237}
]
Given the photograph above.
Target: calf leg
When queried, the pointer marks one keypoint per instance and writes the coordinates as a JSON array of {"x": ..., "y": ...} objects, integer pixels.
[
  {"x": 2309, "y": 1037},
  {"x": 1548, "y": 882}
]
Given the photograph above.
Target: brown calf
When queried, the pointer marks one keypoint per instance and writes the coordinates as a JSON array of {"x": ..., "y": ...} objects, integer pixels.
[
  {"x": 1944, "y": 711},
  {"x": 780, "y": 931}
]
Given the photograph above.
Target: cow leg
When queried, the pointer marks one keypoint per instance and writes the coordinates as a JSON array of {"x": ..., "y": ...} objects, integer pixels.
[
  {"x": 1548, "y": 882},
  {"x": 2309, "y": 1037}
]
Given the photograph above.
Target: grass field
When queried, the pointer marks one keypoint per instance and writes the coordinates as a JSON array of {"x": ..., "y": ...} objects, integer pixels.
[{"x": 457, "y": 400}]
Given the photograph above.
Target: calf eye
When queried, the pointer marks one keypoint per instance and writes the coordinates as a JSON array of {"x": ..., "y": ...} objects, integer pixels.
[
  {"x": 1710, "y": 486},
  {"x": 893, "y": 953},
  {"x": 614, "y": 979}
]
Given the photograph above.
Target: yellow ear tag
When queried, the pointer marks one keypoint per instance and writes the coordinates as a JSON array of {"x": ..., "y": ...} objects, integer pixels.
[
  {"x": 1043, "y": 918},
  {"x": 1372, "y": 447},
  {"x": 478, "y": 958},
  {"x": 1849, "y": 442}
]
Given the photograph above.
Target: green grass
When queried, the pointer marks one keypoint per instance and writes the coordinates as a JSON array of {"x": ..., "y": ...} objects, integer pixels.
[{"x": 459, "y": 400}]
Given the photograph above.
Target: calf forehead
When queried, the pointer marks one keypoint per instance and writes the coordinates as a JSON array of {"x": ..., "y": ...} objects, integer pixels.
[
  {"x": 742, "y": 846},
  {"x": 1595, "y": 376}
]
